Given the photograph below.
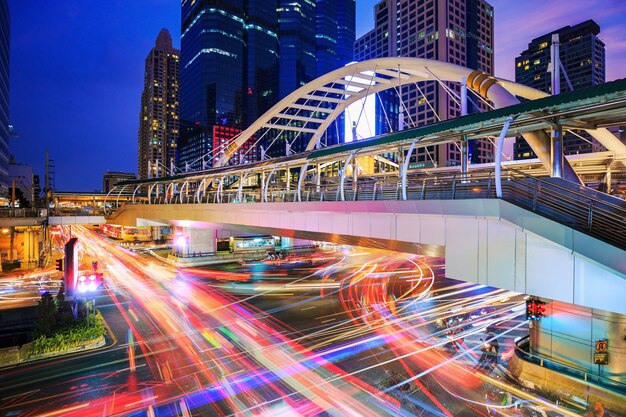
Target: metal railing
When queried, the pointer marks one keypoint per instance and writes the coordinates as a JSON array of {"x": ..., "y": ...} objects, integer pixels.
[
  {"x": 8, "y": 212},
  {"x": 581, "y": 208},
  {"x": 522, "y": 350}
]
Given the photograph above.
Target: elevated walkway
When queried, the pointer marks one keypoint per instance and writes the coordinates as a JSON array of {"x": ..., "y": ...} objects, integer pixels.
[{"x": 542, "y": 238}]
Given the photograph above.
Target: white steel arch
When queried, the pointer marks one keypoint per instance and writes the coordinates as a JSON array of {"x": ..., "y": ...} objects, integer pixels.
[{"x": 313, "y": 107}]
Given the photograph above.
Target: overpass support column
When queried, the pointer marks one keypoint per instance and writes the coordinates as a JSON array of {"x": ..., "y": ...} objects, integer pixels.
[
  {"x": 608, "y": 180},
  {"x": 301, "y": 179},
  {"x": 343, "y": 176},
  {"x": 190, "y": 242},
  {"x": 405, "y": 167},
  {"x": 556, "y": 151},
  {"x": 318, "y": 177},
  {"x": 505, "y": 128},
  {"x": 464, "y": 159}
]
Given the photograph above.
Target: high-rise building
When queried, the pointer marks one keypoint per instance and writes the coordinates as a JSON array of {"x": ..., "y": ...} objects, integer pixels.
[
  {"x": 581, "y": 52},
  {"x": 159, "y": 116},
  {"x": 229, "y": 71},
  {"x": 455, "y": 31},
  {"x": 21, "y": 175},
  {"x": 5, "y": 22},
  {"x": 316, "y": 37},
  {"x": 110, "y": 178},
  {"x": 378, "y": 43},
  {"x": 297, "y": 28}
]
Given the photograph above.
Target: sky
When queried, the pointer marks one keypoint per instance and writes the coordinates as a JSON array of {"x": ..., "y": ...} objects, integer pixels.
[{"x": 77, "y": 71}]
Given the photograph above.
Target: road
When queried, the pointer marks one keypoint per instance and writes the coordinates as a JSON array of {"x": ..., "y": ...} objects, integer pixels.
[{"x": 348, "y": 333}]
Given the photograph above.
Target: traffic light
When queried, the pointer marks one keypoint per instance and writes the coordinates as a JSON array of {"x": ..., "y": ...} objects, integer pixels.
[
  {"x": 535, "y": 309},
  {"x": 540, "y": 310},
  {"x": 530, "y": 309},
  {"x": 60, "y": 265}
]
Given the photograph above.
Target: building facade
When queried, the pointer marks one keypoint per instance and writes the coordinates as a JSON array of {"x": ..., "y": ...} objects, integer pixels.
[
  {"x": 229, "y": 71},
  {"x": 238, "y": 58},
  {"x": 455, "y": 31},
  {"x": 5, "y": 25},
  {"x": 21, "y": 175},
  {"x": 160, "y": 105},
  {"x": 110, "y": 178},
  {"x": 583, "y": 57}
]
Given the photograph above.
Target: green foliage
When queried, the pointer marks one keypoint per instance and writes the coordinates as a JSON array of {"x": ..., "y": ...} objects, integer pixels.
[
  {"x": 70, "y": 335},
  {"x": 46, "y": 319},
  {"x": 61, "y": 299}
]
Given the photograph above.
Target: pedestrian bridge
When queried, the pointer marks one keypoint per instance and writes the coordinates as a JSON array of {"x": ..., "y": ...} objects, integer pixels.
[
  {"x": 509, "y": 225},
  {"x": 542, "y": 238}
]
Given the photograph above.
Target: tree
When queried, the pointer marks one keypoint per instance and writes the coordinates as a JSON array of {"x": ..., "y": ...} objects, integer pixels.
[
  {"x": 19, "y": 197},
  {"x": 46, "y": 319}
]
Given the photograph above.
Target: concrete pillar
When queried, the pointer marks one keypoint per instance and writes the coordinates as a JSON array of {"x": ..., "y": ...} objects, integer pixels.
[
  {"x": 190, "y": 242},
  {"x": 568, "y": 334}
]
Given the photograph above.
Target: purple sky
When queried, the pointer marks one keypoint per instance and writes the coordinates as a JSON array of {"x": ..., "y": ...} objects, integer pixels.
[{"x": 77, "y": 71}]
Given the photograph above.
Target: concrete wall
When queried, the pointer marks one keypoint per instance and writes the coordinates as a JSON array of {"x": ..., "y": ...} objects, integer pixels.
[{"x": 486, "y": 241}]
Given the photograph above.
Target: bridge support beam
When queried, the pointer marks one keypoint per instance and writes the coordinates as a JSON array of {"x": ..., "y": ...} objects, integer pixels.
[
  {"x": 499, "y": 157},
  {"x": 556, "y": 151},
  {"x": 464, "y": 159}
]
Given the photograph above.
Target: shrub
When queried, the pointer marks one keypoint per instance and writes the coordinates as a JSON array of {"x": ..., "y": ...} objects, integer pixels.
[{"x": 69, "y": 336}]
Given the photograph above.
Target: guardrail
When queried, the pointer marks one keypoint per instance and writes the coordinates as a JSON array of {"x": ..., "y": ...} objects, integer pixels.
[
  {"x": 581, "y": 208},
  {"x": 8, "y": 212},
  {"x": 522, "y": 351}
]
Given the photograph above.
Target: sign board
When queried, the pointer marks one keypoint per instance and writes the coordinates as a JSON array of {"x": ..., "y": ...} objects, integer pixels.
[
  {"x": 601, "y": 358},
  {"x": 601, "y": 346},
  {"x": 70, "y": 272}
]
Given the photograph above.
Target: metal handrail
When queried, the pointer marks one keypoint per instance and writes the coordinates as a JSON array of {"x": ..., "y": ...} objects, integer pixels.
[
  {"x": 582, "y": 211},
  {"x": 579, "y": 373}
]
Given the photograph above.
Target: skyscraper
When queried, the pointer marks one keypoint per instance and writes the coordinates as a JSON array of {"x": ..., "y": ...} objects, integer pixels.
[
  {"x": 455, "y": 31},
  {"x": 316, "y": 37},
  {"x": 297, "y": 27},
  {"x": 5, "y": 22},
  {"x": 582, "y": 55},
  {"x": 238, "y": 58},
  {"x": 229, "y": 71},
  {"x": 159, "y": 116}
]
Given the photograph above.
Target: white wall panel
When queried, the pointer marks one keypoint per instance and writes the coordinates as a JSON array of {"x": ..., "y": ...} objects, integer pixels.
[
  {"x": 341, "y": 223},
  {"x": 361, "y": 224},
  {"x": 520, "y": 261},
  {"x": 501, "y": 254},
  {"x": 483, "y": 253},
  {"x": 433, "y": 230},
  {"x": 595, "y": 286},
  {"x": 381, "y": 226},
  {"x": 462, "y": 249},
  {"x": 408, "y": 228},
  {"x": 549, "y": 270}
]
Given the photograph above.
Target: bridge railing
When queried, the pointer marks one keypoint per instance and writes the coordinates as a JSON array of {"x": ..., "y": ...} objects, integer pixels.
[
  {"x": 581, "y": 208},
  {"x": 523, "y": 351}
]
